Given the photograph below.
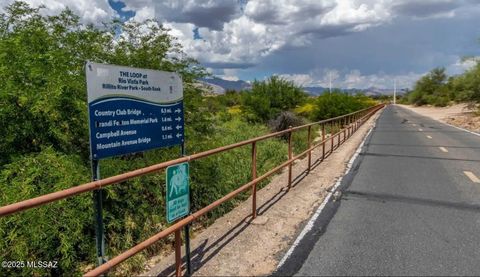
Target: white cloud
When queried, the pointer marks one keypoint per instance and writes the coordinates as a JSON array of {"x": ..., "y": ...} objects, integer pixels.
[
  {"x": 242, "y": 41},
  {"x": 240, "y": 35},
  {"x": 462, "y": 65},
  {"x": 267, "y": 26},
  {"x": 299, "y": 79},
  {"x": 352, "y": 79},
  {"x": 90, "y": 11},
  {"x": 202, "y": 13},
  {"x": 229, "y": 74}
]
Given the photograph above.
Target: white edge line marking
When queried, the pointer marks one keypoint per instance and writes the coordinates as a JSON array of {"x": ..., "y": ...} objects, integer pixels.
[
  {"x": 317, "y": 213},
  {"x": 460, "y": 128},
  {"x": 472, "y": 176},
  {"x": 443, "y": 149},
  {"x": 429, "y": 137}
]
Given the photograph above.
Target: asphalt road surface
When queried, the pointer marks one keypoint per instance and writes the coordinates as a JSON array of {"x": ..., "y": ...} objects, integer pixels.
[{"x": 410, "y": 206}]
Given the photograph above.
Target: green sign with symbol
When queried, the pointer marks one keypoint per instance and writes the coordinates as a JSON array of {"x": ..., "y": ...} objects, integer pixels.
[{"x": 178, "y": 191}]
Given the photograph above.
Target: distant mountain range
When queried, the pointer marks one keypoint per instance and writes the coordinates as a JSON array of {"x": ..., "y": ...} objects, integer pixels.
[{"x": 219, "y": 86}]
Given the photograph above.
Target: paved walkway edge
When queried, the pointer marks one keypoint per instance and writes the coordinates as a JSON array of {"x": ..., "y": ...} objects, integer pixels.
[{"x": 325, "y": 212}]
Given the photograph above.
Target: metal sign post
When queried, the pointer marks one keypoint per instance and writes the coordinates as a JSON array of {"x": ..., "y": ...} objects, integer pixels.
[
  {"x": 187, "y": 229},
  {"x": 178, "y": 201},
  {"x": 97, "y": 199}
]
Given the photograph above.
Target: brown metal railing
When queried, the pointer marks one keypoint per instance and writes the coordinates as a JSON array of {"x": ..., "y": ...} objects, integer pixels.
[{"x": 347, "y": 124}]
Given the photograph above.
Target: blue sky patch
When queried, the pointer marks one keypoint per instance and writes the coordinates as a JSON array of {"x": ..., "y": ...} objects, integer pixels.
[{"x": 118, "y": 6}]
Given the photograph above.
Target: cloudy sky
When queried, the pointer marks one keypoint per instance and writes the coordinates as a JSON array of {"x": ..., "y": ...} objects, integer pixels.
[{"x": 356, "y": 43}]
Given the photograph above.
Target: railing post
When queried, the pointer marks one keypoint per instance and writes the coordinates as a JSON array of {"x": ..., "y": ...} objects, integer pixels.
[
  {"x": 309, "y": 145},
  {"x": 344, "y": 127},
  {"x": 353, "y": 124},
  {"x": 290, "y": 157},
  {"x": 178, "y": 253},
  {"x": 354, "y": 121},
  {"x": 349, "y": 121},
  {"x": 331, "y": 136},
  {"x": 323, "y": 141},
  {"x": 339, "y": 133},
  {"x": 254, "y": 176}
]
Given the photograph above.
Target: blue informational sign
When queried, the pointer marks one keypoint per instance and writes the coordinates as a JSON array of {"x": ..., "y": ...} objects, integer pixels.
[{"x": 132, "y": 109}]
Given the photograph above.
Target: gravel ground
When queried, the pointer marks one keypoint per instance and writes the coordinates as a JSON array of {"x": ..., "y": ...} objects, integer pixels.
[{"x": 459, "y": 115}]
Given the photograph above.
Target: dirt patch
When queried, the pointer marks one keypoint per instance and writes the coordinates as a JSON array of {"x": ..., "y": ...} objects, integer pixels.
[
  {"x": 458, "y": 115},
  {"x": 235, "y": 245}
]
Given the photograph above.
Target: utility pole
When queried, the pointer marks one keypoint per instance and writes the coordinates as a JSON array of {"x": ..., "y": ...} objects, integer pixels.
[
  {"x": 330, "y": 81},
  {"x": 394, "y": 91}
]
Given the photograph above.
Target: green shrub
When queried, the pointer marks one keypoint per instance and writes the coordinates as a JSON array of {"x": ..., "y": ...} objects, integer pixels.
[
  {"x": 213, "y": 177},
  {"x": 306, "y": 110},
  {"x": 60, "y": 231},
  {"x": 268, "y": 98},
  {"x": 338, "y": 103}
]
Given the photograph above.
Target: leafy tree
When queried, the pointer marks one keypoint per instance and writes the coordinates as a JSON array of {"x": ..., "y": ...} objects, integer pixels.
[
  {"x": 44, "y": 144},
  {"x": 431, "y": 89},
  {"x": 437, "y": 89},
  {"x": 339, "y": 103},
  {"x": 467, "y": 85},
  {"x": 42, "y": 93},
  {"x": 268, "y": 98},
  {"x": 230, "y": 98}
]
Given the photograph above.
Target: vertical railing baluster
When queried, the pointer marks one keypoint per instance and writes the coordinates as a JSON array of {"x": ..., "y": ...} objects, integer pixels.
[
  {"x": 331, "y": 136},
  {"x": 349, "y": 120},
  {"x": 290, "y": 157},
  {"x": 323, "y": 141},
  {"x": 339, "y": 131},
  {"x": 254, "y": 176},
  {"x": 309, "y": 145}
]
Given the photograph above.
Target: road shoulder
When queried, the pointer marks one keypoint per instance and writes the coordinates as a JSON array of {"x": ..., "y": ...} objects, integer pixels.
[{"x": 459, "y": 115}]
